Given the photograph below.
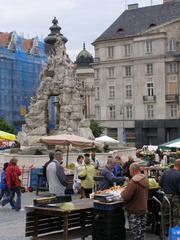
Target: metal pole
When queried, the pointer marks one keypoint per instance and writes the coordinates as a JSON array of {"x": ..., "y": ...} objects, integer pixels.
[
  {"x": 67, "y": 155},
  {"x": 162, "y": 218},
  {"x": 123, "y": 131},
  {"x": 170, "y": 217}
]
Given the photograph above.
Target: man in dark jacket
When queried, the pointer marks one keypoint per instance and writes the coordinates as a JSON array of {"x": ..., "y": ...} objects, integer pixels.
[
  {"x": 170, "y": 184},
  {"x": 109, "y": 178},
  {"x": 135, "y": 196}
]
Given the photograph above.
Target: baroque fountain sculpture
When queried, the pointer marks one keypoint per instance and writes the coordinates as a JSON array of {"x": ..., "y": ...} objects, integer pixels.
[{"x": 58, "y": 80}]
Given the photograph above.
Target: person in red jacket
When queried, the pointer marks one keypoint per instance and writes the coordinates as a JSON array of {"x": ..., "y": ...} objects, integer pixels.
[
  {"x": 12, "y": 178},
  {"x": 135, "y": 196}
]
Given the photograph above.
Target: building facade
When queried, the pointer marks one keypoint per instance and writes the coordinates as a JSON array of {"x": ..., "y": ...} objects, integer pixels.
[
  {"x": 85, "y": 73},
  {"x": 137, "y": 75},
  {"x": 21, "y": 61}
]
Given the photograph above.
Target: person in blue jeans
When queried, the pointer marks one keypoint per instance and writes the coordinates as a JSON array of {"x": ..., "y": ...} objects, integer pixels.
[
  {"x": 5, "y": 192},
  {"x": 12, "y": 177}
]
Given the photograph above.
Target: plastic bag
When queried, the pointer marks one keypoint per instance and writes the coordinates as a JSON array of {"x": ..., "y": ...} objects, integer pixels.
[{"x": 76, "y": 186}]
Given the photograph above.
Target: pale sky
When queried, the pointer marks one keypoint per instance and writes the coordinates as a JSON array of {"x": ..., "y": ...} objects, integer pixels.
[{"x": 80, "y": 20}]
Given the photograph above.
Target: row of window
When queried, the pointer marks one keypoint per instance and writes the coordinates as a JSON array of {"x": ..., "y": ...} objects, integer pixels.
[
  {"x": 148, "y": 48},
  {"x": 111, "y": 92},
  {"x": 126, "y": 112},
  {"x": 128, "y": 91},
  {"x": 128, "y": 70}
]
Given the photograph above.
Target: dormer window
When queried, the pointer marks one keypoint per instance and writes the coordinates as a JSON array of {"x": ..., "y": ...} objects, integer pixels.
[
  {"x": 120, "y": 30},
  {"x": 152, "y": 25},
  {"x": 35, "y": 47},
  {"x": 12, "y": 43}
]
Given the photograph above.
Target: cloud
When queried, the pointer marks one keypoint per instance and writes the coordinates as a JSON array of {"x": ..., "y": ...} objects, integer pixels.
[{"x": 81, "y": 20}]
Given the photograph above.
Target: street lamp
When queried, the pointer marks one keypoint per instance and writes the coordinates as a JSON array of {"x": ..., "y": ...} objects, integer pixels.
[{"x": 123, "y": 133}]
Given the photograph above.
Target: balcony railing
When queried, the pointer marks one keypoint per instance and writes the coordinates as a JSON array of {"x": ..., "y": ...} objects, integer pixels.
[
  {"x": 149, "y": 98},
  {"x": 172, "y": 97}
]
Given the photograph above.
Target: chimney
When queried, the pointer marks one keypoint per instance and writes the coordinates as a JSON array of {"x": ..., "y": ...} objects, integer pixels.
[{"x": 132, "y": 6}]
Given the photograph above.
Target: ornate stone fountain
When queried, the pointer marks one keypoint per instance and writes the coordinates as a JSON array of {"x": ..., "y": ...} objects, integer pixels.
[{"x": 58, "y": 80}]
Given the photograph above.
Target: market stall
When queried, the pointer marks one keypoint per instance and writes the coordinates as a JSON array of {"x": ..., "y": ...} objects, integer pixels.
[
  {"x": 72, "y": 219},
  {"x": 109, "y": 219},
  {"x": 77, "y": 218},
  {"x": 102, "y": 216}
]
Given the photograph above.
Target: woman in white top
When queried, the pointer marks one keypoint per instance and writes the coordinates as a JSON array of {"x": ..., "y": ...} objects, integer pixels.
[{"x": 77, "y": 181}]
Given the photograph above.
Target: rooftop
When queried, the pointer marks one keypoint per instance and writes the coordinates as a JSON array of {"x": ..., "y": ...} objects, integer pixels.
[{"x": 134, "y": 21}]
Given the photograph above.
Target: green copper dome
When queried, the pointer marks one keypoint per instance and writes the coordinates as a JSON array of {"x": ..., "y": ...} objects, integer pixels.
[{"x": 84, "y": 58}]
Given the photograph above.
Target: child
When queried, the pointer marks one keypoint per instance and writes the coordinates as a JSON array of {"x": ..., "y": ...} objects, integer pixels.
[{"x": 5, "y": 192}]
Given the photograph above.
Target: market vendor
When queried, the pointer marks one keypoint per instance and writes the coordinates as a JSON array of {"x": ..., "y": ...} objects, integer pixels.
[
  {"x": 135, "y": 196},
  {"x": 109, "y": 178}
]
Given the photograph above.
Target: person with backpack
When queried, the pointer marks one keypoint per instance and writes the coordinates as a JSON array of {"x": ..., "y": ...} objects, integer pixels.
[
  {"x": 14, "y": 185},
  {"x": 4, "y": 188}
]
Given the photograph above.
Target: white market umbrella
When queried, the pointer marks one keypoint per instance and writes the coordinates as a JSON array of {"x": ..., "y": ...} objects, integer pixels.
[{"x": 106, "y": 139}]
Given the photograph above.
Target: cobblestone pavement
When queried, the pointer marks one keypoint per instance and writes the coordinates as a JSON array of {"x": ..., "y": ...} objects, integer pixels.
[{"x": 12, "y": 223}]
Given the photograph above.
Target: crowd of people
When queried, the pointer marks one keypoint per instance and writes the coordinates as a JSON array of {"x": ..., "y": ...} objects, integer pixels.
[
  {"x": 115, "y": 172},
  {"x": 87, "y": 166}
]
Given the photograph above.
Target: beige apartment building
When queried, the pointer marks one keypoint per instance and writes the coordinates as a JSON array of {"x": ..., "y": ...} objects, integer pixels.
[{"x": 137, "y": 75}]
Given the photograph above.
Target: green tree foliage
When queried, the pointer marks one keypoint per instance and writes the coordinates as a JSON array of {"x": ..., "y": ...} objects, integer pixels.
[
  {"x": 6, "y": 127},
  {"x": 96, "y": 128}
]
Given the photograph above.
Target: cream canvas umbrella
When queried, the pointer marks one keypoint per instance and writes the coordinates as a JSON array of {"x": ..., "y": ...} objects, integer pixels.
[{"x": 69, "y": 139}]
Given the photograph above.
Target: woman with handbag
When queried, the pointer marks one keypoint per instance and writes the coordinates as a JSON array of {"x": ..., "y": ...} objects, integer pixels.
[
  {"x": 86, "y": 176},
  {"x": 77, "y": 181}
]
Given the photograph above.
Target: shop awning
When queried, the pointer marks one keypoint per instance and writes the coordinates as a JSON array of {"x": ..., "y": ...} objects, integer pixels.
[
  {"x": 7, "y": 136},
  {"x": 172, "y": 144}
]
